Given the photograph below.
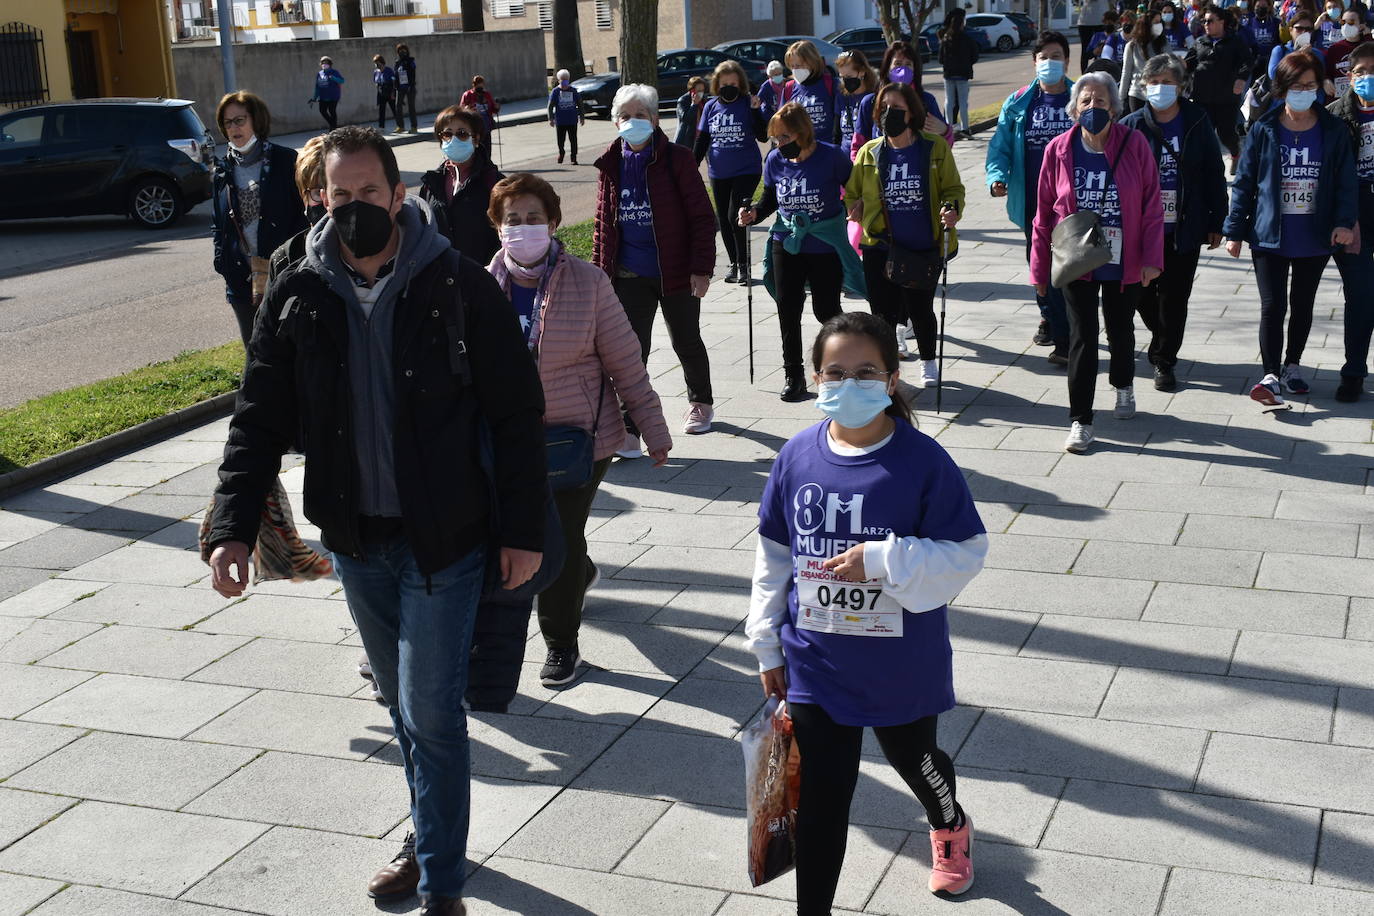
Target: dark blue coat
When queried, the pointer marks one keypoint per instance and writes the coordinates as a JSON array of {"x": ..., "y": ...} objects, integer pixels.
[
  {"x": 1201, "y": 175},
  {"x": 1256, "y": 215},
  {"x": 281, "y": 215}
]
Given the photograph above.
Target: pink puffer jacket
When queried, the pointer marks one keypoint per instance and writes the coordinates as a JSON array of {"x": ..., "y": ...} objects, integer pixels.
[{"x": 585, "y": 336}]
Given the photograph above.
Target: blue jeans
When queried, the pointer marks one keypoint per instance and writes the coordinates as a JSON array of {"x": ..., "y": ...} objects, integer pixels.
[
  {"x": 418, "y": 632},
  {"x": 956, "y": 97},
  {"x": 1053, "y": 309}
]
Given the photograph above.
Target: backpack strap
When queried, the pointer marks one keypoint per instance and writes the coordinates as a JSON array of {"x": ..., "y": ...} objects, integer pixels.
[{"x": 455, "y": 322}]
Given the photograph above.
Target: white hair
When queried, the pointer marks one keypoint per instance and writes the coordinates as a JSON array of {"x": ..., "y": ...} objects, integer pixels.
[
  {"x": 562, "y": 75},
  {"x": 635, "y": 92},
  {"x": 1094, "y": 78},
  {"x": 775, "y": 66}
]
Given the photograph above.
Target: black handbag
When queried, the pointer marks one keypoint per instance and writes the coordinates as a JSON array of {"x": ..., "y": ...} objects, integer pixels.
[
  {"x": 906, "y": 267},
  {"x": 570, "y": 451}
]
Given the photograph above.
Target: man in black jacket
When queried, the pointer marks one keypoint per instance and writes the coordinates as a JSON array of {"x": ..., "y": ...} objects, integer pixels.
[
  {"x": 1356, "y": 108},
  {"x": 385, "y": 355},
  {"x": 1220, "y": 62},
  {"x": 1192, "y": 185}
]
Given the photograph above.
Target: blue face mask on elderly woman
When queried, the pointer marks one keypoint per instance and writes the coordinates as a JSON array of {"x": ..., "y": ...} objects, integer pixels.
[
  {"x": 636, "y": 130},
  {"x": 1094, "y": 120}
]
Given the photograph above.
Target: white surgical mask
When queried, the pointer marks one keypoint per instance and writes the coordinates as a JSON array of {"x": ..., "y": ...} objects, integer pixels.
[
  {"x": 247, "y": 146},
  {"x": 1350, "y": 32},
  {"x": 1156, "y": 30},
  {"x": 801, "y": 74},
  {"x": 1302, "y": 40}
]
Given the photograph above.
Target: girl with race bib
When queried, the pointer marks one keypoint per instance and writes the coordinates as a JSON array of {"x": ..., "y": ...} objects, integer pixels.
[
  {"x": 1295, "y": 199},
  {"x": 867, "y": 531}
]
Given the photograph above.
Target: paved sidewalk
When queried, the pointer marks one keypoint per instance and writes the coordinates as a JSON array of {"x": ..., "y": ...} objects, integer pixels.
[{"x": 1166, "y": 673}]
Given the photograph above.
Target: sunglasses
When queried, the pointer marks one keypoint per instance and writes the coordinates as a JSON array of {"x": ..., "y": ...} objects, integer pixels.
[{"x": 462, "y": 134}]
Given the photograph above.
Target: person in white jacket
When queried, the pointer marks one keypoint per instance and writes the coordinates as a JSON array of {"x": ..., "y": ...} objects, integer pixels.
[{"x": 867, "y": 531}]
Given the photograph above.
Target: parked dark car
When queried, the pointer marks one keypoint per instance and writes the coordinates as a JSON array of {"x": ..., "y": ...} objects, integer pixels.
[
  {"x": 765, "y": 50},
  {"x": 930, "y": 39},
  {"x": 868, "y": 40},
  {"x": 675, "y": 68},
  {"x": 149, "y": 158},
  {"x": 1025, "y": 26}
]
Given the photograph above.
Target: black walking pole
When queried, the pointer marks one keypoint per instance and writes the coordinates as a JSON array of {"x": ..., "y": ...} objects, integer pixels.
[
  {"x": 944, "y": 293},
  {"x": 749, "y": 298}
]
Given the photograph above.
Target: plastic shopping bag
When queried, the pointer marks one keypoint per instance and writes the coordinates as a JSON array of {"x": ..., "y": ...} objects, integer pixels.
[{"x": 772, "y": 774}]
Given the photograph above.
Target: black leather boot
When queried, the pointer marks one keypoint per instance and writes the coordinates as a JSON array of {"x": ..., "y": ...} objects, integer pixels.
[{"x": 795, "y": 389}]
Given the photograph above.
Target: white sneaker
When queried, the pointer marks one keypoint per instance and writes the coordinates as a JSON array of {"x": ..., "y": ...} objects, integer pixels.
[
  {"x": 907, "y": 331},
  {"x": 1080, "y": 437},
  {"x": 365, "y": 667},
  {"x": 1125, "y": 403},
  {"x": 903, "y": 351},
  {"x": 699, "y": 419},
  {"x": 930, "y": 373},
  {"x": 631, "y": 449}
]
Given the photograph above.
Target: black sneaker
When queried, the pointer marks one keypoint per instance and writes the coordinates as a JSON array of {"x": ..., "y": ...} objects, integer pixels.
[
  {"x": 560, "y": 667},
  {"x": 732, "y": 274},
  {"x": 1059, "y": 356},
  {"x": 1350, "y": 389},
  {"x": 1042, "y": 335},
  {"x": 1164, "y": 379}
]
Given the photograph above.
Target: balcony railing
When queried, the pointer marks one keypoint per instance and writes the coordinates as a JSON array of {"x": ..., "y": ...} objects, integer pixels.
[
  {"x": 375, "y": 8},
  {"x": 296, "y": 12}
]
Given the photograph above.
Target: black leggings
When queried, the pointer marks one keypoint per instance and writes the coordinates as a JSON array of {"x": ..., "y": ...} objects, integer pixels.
[
  {"x": 731, "y": 194},
  {"x": 330, "y": 112},
  {"x": 791, "y": 273},
  {"x": 568, "y": 131},
  {"x": 1163, "y": 305},
  {"x": 1118, "y": 314},
  {"x": 382, "y": 102},
  {"x": 1271, "y": 276},
  {"x": 829, "y": 772},
  {"x": 895, "y": 304}
]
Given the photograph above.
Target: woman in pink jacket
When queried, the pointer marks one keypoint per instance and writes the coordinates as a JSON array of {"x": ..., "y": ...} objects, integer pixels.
[
  {"x": 589, "y": 362},
  {"x": 1101, "y": 166}
]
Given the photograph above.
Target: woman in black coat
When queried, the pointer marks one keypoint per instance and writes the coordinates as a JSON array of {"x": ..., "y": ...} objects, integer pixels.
[
  {"x": 256, "y": 205},
  {"x": 1220, "y": 63},
  {"x": 459, "y": 190}
]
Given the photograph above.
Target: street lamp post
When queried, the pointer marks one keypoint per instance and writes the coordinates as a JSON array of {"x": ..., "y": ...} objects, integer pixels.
[{"x": 226, "y": 44}]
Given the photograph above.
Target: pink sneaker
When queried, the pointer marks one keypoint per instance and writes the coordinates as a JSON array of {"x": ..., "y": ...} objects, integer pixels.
[{"x": 952, "y": 855}]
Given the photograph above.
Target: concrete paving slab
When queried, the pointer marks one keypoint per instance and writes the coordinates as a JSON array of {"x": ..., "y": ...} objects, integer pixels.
[
  {"x": 641, "y": 648},
  {"x": 705, "y": 707},
  {"x": 149, "y": 706},
  {"x": 299, "y": 722},
  {"x": 22, "y": 687},
  {"x": 1222, "y": 704},
  {"x": 627, "y": 601},
  {"x": 62, "y": 548},
  {"x": 1167, "y": 497},
  {"x": 692, "y": 566},
  {"x": 21, "y": 743},
  {"x": 989, "y": 631},
  {"x": 622, "y": 820},
  {"x": 22, "y": 813},
  {"x": 19, "y": 894},
  {"x": 1354, "y": 717},
  {"x": 17, "y": 579},
  {"x": 1192, "y": 891},
  {"x": 1034, "y": 553},
  {"x": 674, "y": 767},
  {"x": 1347, "y": 842},
  {"x": 550, "y": 751},
  {"x": 44, "y": 598},
  {"x": 142, "y": 513},
  {"x": 1316, "y": 659},
  {"x": 518, "y": 887},
  {"x": 79, "y": 900},
  {"x": 608, "y": 697},
  {"x": 1136, "y": 643},
  {"x": 282, "y": 617},
  {"x": 1051, "y": 593},
  {"x": 705, "y": 606},
  {"x": 1037, "y": 685},
  {"x": 1248, "y": 609},
  {"x": 280, "y": 664},
  {"x": 139, "y": 605},
  {"x": 1290, "y": 772},
  {"x": 1197, "y": 565},
  {"x": 145, "y": 651},
  {"x": 144, "y": 565},
  {"x": 24, "y": 641},
  {"x": 1083, "y": 522}
]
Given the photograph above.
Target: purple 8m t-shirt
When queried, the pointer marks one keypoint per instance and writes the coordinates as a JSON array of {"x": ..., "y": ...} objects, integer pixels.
[
  {"x": 733, "y": 151},
  {"x": 811, "y": 187},
  {"x": 820, "y": 504}
]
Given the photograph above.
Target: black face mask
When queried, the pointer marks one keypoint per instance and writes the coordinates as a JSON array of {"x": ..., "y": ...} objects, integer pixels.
[
  {"x": 852, "y": 83},
  {"x": 790, "y": 150},
  {"x": 364, "y": 228},
  {"x": 729, "y": 93},
  {"x": 315, "y": 213},
  {"x": 894, "y": 122}
]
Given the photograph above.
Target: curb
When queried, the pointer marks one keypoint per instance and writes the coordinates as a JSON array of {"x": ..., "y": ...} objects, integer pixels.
[{"x": 83, "y": 456}]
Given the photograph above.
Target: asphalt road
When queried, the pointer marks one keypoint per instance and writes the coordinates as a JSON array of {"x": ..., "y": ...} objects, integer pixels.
[{"x": 86, "y": 298}]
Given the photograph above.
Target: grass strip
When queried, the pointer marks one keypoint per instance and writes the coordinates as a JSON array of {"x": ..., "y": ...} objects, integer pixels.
[{"x": 61, "y": 421}]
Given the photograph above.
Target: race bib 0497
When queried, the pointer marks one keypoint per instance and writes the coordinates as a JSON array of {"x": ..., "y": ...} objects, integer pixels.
[{"x": 829, "y": 604}]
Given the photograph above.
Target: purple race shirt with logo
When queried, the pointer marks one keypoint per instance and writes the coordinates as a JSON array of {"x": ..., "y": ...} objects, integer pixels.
[
  {"x": 1168, "y": 171},
  {"x": 638, "y": 247},
  {"x": 811, "y": 187},
  {"x": 1045, "y": 121},
  {"x": 905, "y": 188},
  {"x": 1094, "y": 189},
  {"x": 733, "y": 151},
  {"x": 819, "y": 102},
  {"x": 821, "y": 504},
  {"x": 1300, "y": 168}
]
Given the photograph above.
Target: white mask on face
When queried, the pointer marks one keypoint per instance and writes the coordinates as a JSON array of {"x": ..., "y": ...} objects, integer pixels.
[
  {"x": 247, "y": 146},
  {"x": 801, "y": 74},
  {"x": 1157, "y": 30},
  {"x": 1302, "y": 40},
  {"x": 1350, "y": 32}
]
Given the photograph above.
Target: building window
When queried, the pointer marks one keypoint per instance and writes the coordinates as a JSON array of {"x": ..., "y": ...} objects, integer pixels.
[
  {"x": 604, "y": 18},
  {"x": 610, "y": 64},
  {"x": 546, "y": 15},
  {"x": 507, "y": 9},
  {"x": 23, "y": 68}
]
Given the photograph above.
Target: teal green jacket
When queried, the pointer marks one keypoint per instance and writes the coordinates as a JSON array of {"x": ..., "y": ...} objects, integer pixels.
[{"x": 834, "y": 232}]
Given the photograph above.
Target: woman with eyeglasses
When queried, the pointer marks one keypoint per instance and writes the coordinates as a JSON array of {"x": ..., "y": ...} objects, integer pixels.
[
  {"x": 256, "y": 207},
  {"x": 328, "y": 92},
  {"x": 1295, "y": 200},
  {"x": 1302, "y": 29},
  {"x": 654, "y": 235},
  {"x": 1220, "y": 62},
  {"x": 459, "y": 190},
  {"x": 867, "y": 531},
  {"x": 808, "y": 247}
]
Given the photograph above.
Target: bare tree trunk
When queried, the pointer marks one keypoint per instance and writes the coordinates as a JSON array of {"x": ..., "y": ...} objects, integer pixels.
[
  {"x": 567, "y": 39},
  {"x": 471, "y": 11},
  {"x": 639, "y": 42},
  {"x": 889, "y": 17},
  {"x": 350, "y": 16}
]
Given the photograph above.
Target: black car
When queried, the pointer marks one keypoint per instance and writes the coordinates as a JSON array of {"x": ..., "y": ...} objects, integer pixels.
[
  {"x": 764, "y": 50},
  {"x": 149, "y": 158},
  {"x": 868, "y": 40},
  {"x": 1025, "y": 26},
  {"x": 675, "y": 68}
]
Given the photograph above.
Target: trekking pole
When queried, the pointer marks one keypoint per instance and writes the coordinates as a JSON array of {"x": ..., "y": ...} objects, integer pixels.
[
  {"x": 944, "y": 294},
  {"x": 749, "y": 297},
  {"x": 500, "y": 154}
]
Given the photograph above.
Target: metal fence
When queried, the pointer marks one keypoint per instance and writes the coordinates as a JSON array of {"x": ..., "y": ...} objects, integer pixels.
[
  {"x": 372, "y": 8},
  {"x": 295, "y": 12},
  {"x": 23, "y": 65}
]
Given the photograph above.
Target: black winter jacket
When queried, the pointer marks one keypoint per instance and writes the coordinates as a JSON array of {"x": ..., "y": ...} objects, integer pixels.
[
  {"x": 958, "y": 54},
  {"x": 463, "y": 220},
  {"x": 281, "y": 216},
  {"x": 1201, "y": 176},
  {"x": 296, "y": 389},
  {"x": 1216, "y": 64}
]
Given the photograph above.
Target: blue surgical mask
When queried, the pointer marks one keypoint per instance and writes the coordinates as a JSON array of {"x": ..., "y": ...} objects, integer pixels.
[
  {"x": 1334, "y": 13},
  {"x": 1300, "y": 99},
  {"x": 1167, "y": 17},
  {"x": 636, "y": 130},
  {"x": 1094, "y": 120},
  {"x": 850, "y": 404},
  {"x": 1161, "y": 95},
  {"x": 1049, "y": 72},
  {"x": 1364, "y": 87},
  {"x": 777, "y": 79},
  {"x": 456, "y": 150}
]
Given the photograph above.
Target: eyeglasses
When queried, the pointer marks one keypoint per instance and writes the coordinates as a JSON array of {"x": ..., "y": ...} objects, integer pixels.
[
  {"x": 316, "y": 195},
  {"x": 236, "y": 122},
  {"x": 866, "y": 376},
  {"x": 1309, "y": 86},
  {"x": 447, "y": 135}
]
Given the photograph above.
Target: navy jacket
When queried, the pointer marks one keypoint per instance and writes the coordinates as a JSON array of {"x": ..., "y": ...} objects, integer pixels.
[
  {"x": 463, "y": 220},
  {"x": 408, "y": 65},
  {"x": 1201, "y": 176},
  {"x": 281, "y": 216},
  {"x": 1255, "y": 207}
]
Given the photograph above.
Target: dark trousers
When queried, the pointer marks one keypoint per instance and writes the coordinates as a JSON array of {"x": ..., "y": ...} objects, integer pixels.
[
  {"x": 829, "y": 772},
  {"x": 1271, "y": 276},
  {"x": 1051, "y": 304},
  {"x": 405, "y": 102},
  {"x": 791, "y": 274},
  {"x": 1163, "y": 305},
  {"x": 1223, "y": 115},
  {"x": 568, "y": 132},
  {"x": 895, "y": 304},
  {"x": 1118, "y": 314},
  {"x": 642, "y": 297},
  {"x": 1085, "y": 37},
  {"x": 498, "y": 650},
  {"x": 244, "y": 313},
  {"x": 330, "y": 112},
  {"x": 560, "y": 605},
  {"x": 1357, "y": 276},
  {"x": 383, "y": 100},
  {"x": 731, "y": 194}
]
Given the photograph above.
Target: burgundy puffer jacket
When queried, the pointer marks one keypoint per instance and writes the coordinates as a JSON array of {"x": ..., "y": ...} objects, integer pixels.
[{"x": 684, "y": 222}]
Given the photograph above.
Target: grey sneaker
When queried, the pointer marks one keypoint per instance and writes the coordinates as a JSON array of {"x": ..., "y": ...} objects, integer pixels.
[
  {"x": 1125, "y": 403},
  {"x": 699, "y": 419},
  {"x": 560, "y": 667}
]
